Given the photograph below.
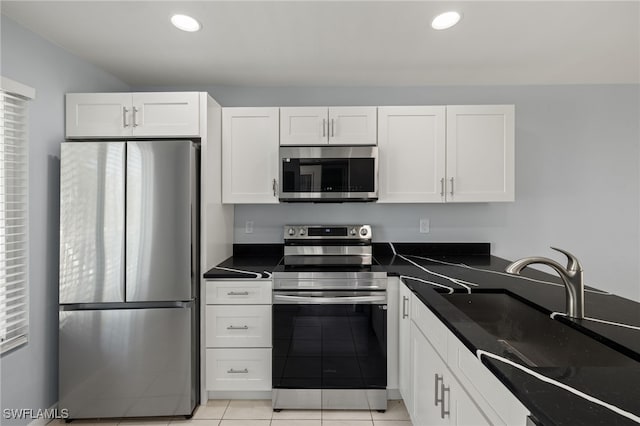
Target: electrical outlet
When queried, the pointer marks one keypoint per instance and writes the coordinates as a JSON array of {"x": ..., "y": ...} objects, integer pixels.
[
  {"x": 248, "y": 227},
  {"x": 424, "y": 226}
]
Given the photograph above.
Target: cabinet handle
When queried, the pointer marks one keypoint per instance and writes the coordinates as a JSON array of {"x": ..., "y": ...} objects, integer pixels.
[
  {"x": 232, "y": 371},
  {"x": 135, "y": 122},
  {"x": 332, "y": 128},
  {"x": 451, "y": 186},
  {"x": 124, "y": 116},
  {"x": 275, "y": 188},
  {"x": 238, "y": 293},
  {"x": 233, "y": 327},
  {"x": 405, "y": 299},
  {"x": 445, "y": 412},
  {"x": 324, "y": 129},
  {"x": 438, "y": 379},
  {"x": 442, "y": 187}
]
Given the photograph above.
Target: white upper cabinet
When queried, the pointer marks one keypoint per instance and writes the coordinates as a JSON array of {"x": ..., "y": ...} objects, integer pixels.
[
  {"x": 250, "y": 155},
  {"x": 98, "y": 115},
  {"x": 303, "y": 126},
  {"x": 322, "y": 126},
  {"x": 116, "y": 115},
  {"x": 411, "y": 147},
  {"x": 439, "y": 154},
  {"x": 480, "y": 153}
]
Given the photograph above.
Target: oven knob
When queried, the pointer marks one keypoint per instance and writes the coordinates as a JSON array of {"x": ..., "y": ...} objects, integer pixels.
[
  {"x": 363, "y": 232},
  {"x": 301, "y": 231},
  {"x": 292, "y": 231},
  {"x": 353, "y": 231}
]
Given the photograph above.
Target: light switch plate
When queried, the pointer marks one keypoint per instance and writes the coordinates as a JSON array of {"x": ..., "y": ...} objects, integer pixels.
[{"x": 424, "y": 226}]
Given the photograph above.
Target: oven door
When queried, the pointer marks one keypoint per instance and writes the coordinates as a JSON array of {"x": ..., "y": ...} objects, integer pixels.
[
  {"x": 328, "y": 173},
  {"x": 329, "y": 340}
]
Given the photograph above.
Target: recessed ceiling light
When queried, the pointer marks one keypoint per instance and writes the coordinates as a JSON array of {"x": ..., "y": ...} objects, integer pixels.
[
  {"x": 185, "y": 23},
  {"x": 445, "y": 20}
]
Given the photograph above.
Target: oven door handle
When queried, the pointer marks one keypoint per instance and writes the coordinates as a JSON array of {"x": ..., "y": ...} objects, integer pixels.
[{"x": 283, "y": 298}]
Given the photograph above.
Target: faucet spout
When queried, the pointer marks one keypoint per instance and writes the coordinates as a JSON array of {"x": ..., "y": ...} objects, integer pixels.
[{"x": 571, "y": 278}]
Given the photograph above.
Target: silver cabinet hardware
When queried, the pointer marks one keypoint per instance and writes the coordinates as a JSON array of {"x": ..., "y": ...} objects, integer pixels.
[
  {"x": 238, "y": 293},
  {"x": 442, "y": 187},
  {"x": 451, "y": 186},
  {"x": 135, "y": 122},
  {"x": 233, "y": 327},
  {"x": 232, "y": 371},
  {"x": 440, "y": 379},
  {"x": 445, "y": 412},
  {"x": 405, "y": 314},
  {"x": 324, "y": 130},
  {"x": 332, "y": 128},
  {"x": 275, "y": 188},
  {"x": 124, "y": 116}
]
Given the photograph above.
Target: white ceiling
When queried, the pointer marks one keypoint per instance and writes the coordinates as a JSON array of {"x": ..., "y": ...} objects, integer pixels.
[{"x": 329, "y": 43}]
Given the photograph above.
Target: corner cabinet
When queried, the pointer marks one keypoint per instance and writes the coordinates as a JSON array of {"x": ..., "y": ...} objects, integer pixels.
[
  {"x": 444, "y": 383},
  {"x": 446, "y": 154},
  {"x": 328, "y": 125},
  {"x": 250, "y": 139},
  {"x": 118, "y": 115}
]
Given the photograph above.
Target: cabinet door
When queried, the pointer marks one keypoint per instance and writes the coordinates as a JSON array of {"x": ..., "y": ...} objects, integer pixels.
[
  {"x": 98, "y": 115},
  {"x": 304, "y": 126},
  {"x": 166, "y": 114},
  {"x": 353, "y": 126},
  {"x": 411, "y": 144},
  {"x": 250, "y": 155},
  {"x": 429, "y": 372},
  {"x": 462, "y": 410},
  {"x": 404, "y": 346},
  {"x": 480, "y": 153}
]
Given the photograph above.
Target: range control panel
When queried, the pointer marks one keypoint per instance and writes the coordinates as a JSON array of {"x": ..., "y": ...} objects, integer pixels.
[{"x": 346, "y": 232}]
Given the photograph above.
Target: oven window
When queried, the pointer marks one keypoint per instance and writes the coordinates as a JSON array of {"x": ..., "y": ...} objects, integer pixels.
[
  {"x": 328, "y": 175},
  {"x": 329, "y": 346}
]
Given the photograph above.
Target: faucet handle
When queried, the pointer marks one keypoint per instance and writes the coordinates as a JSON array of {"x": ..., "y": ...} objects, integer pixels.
[{"x": 573, "y": 264}]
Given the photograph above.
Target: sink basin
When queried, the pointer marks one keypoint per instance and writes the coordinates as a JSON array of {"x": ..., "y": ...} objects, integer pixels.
[{"x": 530, "y": 337}]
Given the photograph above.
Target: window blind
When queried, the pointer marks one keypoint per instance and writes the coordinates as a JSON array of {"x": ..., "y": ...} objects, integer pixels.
[{"x": 14, "y": 271}]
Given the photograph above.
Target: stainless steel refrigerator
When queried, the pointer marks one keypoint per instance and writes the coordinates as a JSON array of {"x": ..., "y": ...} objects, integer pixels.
[{"x": 128, "y": 334}]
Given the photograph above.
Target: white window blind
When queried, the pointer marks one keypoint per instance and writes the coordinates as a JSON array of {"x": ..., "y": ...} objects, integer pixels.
[{"x": 14, "y": 271}]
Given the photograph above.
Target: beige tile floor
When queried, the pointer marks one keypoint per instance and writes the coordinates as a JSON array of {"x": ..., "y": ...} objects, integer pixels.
[{"x": 260, "y": 413}]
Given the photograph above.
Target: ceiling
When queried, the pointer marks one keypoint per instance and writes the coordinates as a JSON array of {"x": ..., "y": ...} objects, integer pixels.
[{"x": 339, "y": 43}]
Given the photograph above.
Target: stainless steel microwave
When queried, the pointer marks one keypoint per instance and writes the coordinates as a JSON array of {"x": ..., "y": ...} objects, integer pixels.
[{"x": 328, "y": 173}]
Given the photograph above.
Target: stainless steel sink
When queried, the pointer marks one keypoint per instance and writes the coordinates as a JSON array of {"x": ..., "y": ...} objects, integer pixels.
[{"x": 528, "y": 336}]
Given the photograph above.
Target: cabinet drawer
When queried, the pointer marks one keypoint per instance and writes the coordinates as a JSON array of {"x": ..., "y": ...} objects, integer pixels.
[
  {"x": 239, "y": 292},
  {"x": 238, "y": 369},
  {"x": 430, "y": 326},
  {"x": 238, "y": 326}
]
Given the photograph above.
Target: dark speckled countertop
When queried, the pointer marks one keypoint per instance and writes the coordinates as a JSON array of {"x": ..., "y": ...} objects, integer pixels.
[{"x": 470, "y": 267}]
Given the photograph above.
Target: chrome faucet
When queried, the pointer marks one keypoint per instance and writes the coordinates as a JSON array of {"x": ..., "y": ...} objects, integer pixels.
[{"x": 571, "y": 277}]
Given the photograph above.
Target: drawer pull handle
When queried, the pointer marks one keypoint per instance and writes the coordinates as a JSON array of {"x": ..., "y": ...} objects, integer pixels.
[
  {"x": 238, "y": 293},
  {"x": 233, "y": 327},
  {"x": 232, "y": 371}
]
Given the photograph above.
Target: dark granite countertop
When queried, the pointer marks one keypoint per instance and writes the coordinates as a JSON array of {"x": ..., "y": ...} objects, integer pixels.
[{"x": 432, "y": 270}]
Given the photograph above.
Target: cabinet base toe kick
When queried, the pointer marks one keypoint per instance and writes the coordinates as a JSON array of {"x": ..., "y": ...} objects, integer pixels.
[{"x": 329, "y": 399}]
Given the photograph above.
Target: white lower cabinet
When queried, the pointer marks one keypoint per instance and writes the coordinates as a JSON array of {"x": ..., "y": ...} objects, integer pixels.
[
  {"x": 238, "y": 335},
  {"x": 441, "y": 381}
]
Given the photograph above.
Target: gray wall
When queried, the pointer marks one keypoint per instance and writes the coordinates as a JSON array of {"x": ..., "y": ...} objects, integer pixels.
[
  {"x": 577, "y": 176},
  {"x": 30, "y": 373}
]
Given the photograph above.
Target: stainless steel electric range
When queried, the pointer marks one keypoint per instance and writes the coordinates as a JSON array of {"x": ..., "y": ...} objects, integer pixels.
[{"x": 329, "y": 321}]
